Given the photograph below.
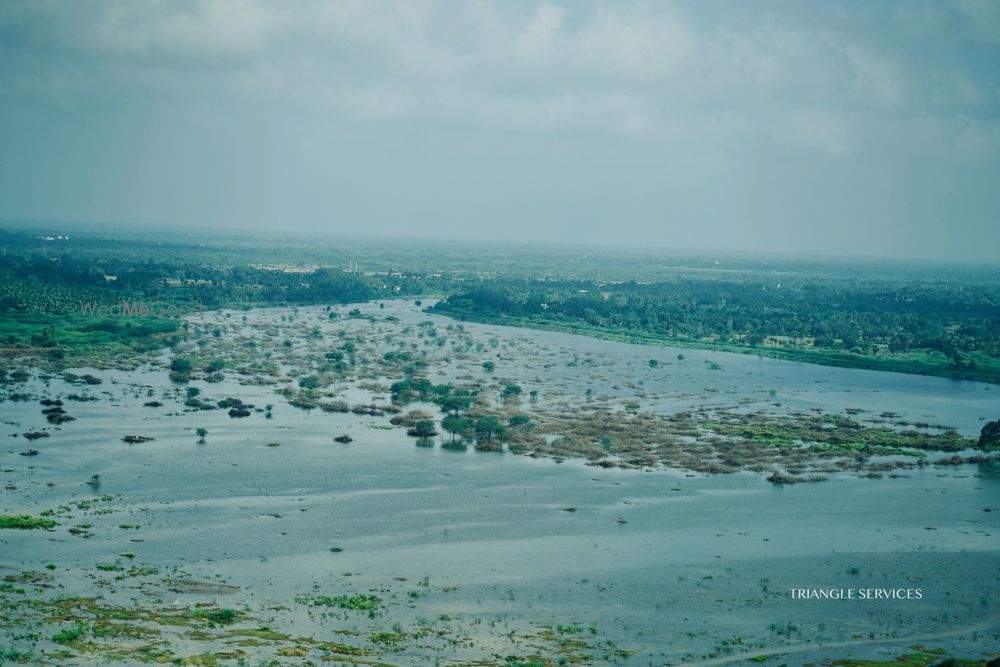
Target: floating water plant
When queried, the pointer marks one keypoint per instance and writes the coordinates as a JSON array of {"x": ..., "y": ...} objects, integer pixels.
[{"x": 24, "y": 521}]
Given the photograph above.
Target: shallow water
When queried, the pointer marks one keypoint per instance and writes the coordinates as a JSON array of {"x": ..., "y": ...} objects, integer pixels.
[{"x": 667, "y": 564}]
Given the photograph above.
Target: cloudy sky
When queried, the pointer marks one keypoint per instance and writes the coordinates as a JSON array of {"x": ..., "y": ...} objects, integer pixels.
[{"x": 823, "y": 127}]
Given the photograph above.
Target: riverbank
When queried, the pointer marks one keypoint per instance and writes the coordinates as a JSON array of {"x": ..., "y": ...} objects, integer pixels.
[{"x": 987, "y": 368}]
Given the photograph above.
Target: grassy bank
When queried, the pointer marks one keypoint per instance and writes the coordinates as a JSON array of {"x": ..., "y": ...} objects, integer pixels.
[
  {"x": 72, "y": 335},
  {"x": 918, "y": 363}
]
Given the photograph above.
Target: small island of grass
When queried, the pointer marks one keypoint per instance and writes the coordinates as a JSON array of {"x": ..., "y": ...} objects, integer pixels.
[{"x": 24, "y": 521}]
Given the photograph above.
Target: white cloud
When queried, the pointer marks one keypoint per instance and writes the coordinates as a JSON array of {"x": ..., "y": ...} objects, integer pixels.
[
  {"x": 538, "y": 40},
  {"x": 643, "y": 42},
  {"x": 653, "y": 50},
  {"x": 698, "y": 97},
  {"x": 820, "y": 131},
  {"x": 984, "y": 18}
]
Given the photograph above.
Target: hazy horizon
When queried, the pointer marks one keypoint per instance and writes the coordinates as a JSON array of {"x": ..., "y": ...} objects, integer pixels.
[
  {"x": 838, "y": 129},
  {"x": 222, "y": 235}
]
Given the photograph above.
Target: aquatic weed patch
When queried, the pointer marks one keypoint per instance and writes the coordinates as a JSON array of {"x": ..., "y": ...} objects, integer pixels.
[
  {"x": 91, "y": 629},
  {"x": 834, "y": 431},
  {"x": 726, "y": 441},
  {"x": 358, "y": 602},
  {"x": 25, "y": 522},
  {"x": 924, "y": 658}
]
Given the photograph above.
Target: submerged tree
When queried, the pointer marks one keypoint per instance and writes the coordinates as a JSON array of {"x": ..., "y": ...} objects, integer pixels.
[
  {"x": 181, "y": 366},
  {"x": 309, "y": 382},
  {"x": 456, "y": 403},
  {"x": 510, "y": 391},
  {"x": 521, "y": 422},
  {"x": 423, "y": 428},
  {"x": 488, "y": 427},
  {"x": 455, "y": 425}
]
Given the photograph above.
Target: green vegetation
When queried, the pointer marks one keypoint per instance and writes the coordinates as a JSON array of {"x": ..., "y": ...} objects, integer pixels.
[
  {"x": 939, "y": 320},
  {"x": 64, "y": 629},
  {"x": 455, "y": 425},
  {"x": 182, "y": 366},
  {"x": 221, "y": 616},
  {"x": 24, "y": 521},
  {"x": 176, "y": 270},
  {"x": 68, "y": 334},
  {"x": 722, "y": 441},
  {"x": 511, "y": 391},
  {"x": 922, "y": 658},
  {"x": 310, "y": 382},
  {"x": 488, "y": 427},
  {"x": 423, "y": 428},
  {"x": 67, "y": 635},
  {"x": 386, "y": 637},
  {"x": 989, "y": 436},
  {"x": 840, "y": 433},
  {"x": 880, "y": 323},
  {"x": 448, "y": 397},
  {"x": 521, "y": 422},
  {"x": 359, "y": 602}
]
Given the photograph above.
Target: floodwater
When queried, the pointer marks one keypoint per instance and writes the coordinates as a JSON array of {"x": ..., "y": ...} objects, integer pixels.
[{"x": 669, "y": 565}]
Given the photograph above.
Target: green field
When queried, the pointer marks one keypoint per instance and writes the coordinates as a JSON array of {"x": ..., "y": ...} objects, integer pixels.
[{"x": 72, "y": 334}]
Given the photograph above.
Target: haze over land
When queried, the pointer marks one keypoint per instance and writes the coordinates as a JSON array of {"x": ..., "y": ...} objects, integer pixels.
[{"x": 836, "y": 128}]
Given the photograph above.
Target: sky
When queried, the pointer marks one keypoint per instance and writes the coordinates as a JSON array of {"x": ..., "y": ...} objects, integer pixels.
[{"x": 847, "y": 128}]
